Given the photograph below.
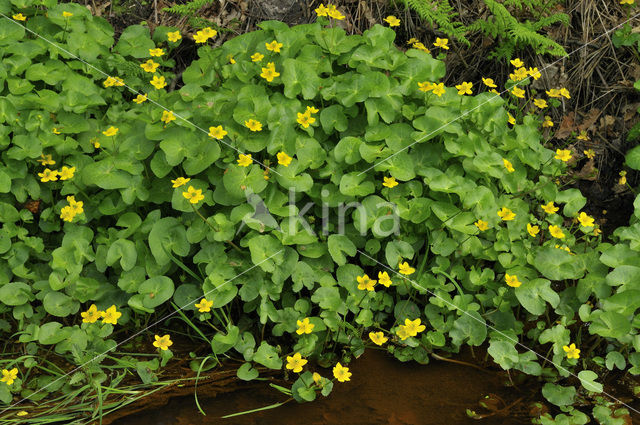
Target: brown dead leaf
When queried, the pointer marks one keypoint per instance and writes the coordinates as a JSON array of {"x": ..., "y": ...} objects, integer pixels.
[
  {"x": 588, "y": 171},
  {"x": 630, "y": 111},
  {"x": 589, "y": 119},
  {"x": 607, "y": 121},
  {"x": 567, "y": 126}
]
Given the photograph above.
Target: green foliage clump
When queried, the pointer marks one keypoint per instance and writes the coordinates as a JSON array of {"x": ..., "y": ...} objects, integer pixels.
[{"x": 236, "y": 231}]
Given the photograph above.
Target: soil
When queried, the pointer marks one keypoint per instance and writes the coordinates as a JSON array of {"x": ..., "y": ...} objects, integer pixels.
[{"x": 382, "y": 390}]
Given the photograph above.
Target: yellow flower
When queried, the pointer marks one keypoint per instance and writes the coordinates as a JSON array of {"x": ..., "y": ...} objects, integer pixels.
[
  {"x": 518, "y": 92},
  {"x": 378, "y": 338},
  {"x": 46, "y": 160},
  {"x": 48, "y": 175},
  {"x": 506, "y": 214},
  {"x": 19, "y": 17},
  {"x": 623, "y": 178},
  {"x": 413, "y": 328},
  {"x": 365, "y": 283},
  {"x": 167, "y": 117},
  {"x": 217, "y": 132},
  {"x": 156, "y": 52},
  {"x": 629, "y": 2},
  {"x": 296, "y": 362},
  {"x": 158, "y": 82},
  {"x": 553, "y": 93},
  {"x": 193, "y": 195},
  {"x": 420, "y": 46},
  {"x": 317, "y": 378},
  {"x": 564, "y": 93},
  {"x": 519, "y": 74},
  {"x": 322, "y": 10},
  {"x": 464, "y": 88},
  {"x": 384, "y": 279},
  {"x": 111, "y": 131},
  {"x": 556, "y": 232},
  {"x": 335, "y": 13},
  {"x": 118, "y": 82},
  {"x": 162, "y": 342},
  {"x": 253, "y": 125},
  {"x": 550, "y": 208},
  {"x": 111, "y": 315},
  {"x": 91, "y": 315},
  {"x": 284, "y": 159},
  {"x": 481, "y": 225},
  {"x": 22, "y": 413},
  {"x": 304, "y": 326},
  {"x": 55, "y": 130},
  {"x": 438, "y": 89},
  {"x": 67, "y": 213},
  {"x": 66, "y": 172},
  {"x": 305, "y": 119},
  {"x": 204, "y": 305},
  {"x": 95, "y": 142},
  {"x": 442, "y": 43},
  {"x": 512, "y": 280},
  {"x": 341, "y": 373},
  {"x": 392, "y": 21},
  {"x": 244, "y": 160},
  {"x": 571, "y": 350},
  {"x": 517, "y": 63},
  {"x": 269, "y": 73},
  {"x": 534, "y": 73},
  {"x": 274, "y": 46},
  {"x": 425, "y": 86},
  {"x": 589, "y": 153},
  {"x": 532, "y": 230},
  {"x": 174, "y": 36},
  {"x": 511, "y": 120},
  {"x": 140, "y": 98},
  {"x": 412, "y": 40},
  {"x": 540, "y": 103},
  {"x": 402, "y": 332},
  {"x": 110, "y": 81},
  {"x": 231, "y": 60},
  {"x": 312, "y": 110},
  {"x": 489, "y": 82},
  {"x": 583, "y": 135},
  {"x": 200, "y": 37},
  {"x": 209, "y": 32},
  {"x": 597, "y": 231},
  {"x": 547, "y": 122},
  {"x": 75, "y": 205},
  {"x": 180, "y": 181},
  {"x": 150, "y": 66},
  {"x": 257, "y": 57},
  {"x": 405, "y": 268},
  {"x": 8, "y": 376},
  {"x": 564, "y": 248},
  {"x": 67, "y": 14},
  {"x": 563, "y": 155},
  {"x": 389, "y": 182},
  {"x": 508, "y": 165}
]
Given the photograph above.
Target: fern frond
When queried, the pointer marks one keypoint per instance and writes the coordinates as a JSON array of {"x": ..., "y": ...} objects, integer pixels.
[{"x": 188, "y": 8}]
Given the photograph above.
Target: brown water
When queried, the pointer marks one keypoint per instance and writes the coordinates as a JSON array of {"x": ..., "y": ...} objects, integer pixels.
[{"x": 382, "y": 390}]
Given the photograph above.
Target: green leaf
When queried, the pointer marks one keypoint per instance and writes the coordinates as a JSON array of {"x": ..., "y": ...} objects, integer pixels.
[
  {"x": 633, "y": 158},
  {"x": 299, "y": 77},
  {"x": 267, "y": 356},
  {"x": 327, "y": 297},
  {"x": 135, "y": 41},
  {"x": 266, "y": 251},
  {"x": 469, "y": 326},
  {"x": 168, "y": 235},
  {"x": 156, "y": 291},
  {"x": 354, "y": 184},
  {"x": 338, "y": 244},
  {"x": 15, "y": 293},
  {"x": 52, "y": 333},
  {"x": 557, "y": 264},
  {"x": 532, "y": 295},
  {"x": 125, "y": 250},
  {"x": 609, "y": 324},
  {"x": 59, "y": 304},
  {"x": 588, "y": 381},
  {"x": 247, "y": 372},
  {"x": 559, "y": 395}
]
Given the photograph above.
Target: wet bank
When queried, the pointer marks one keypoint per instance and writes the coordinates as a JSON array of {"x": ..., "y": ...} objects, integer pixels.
[{"x": 382, "y": 390}]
